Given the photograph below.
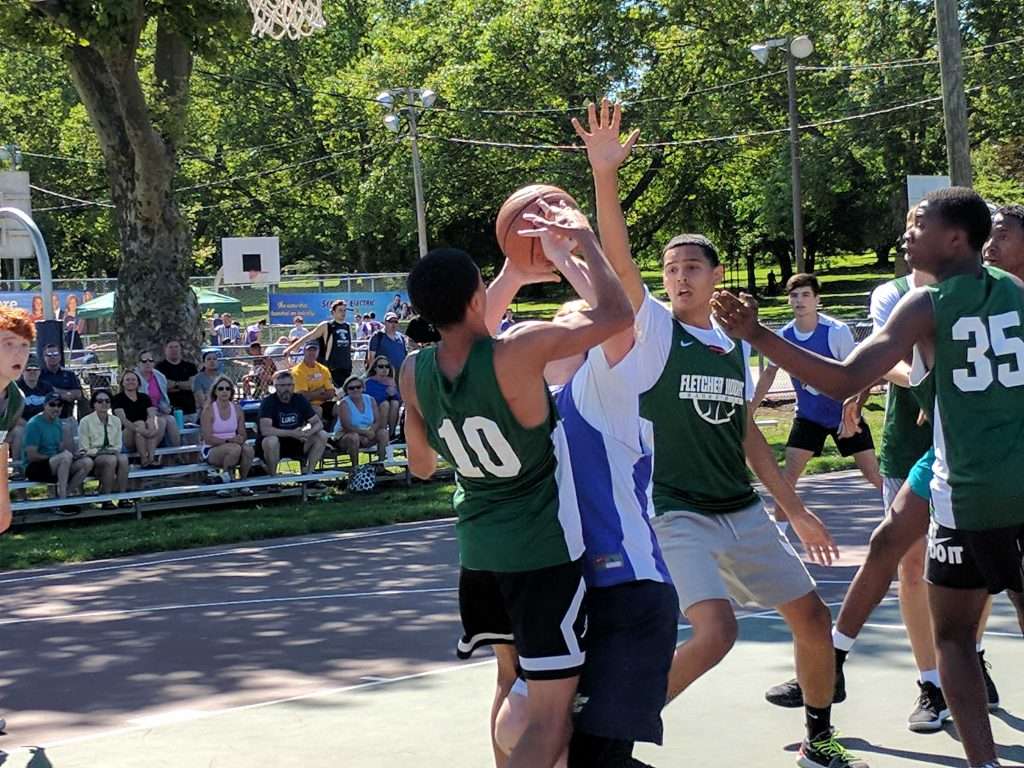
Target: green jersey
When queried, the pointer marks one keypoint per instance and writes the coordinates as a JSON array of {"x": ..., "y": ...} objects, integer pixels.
[
  {"x": 14, "y": 402},
  {"x": 978, "y": 376},
  {"x": 506, "y": 497},
  {"x": 697, "y": 403},
  {"x": 904, "y": 441}
]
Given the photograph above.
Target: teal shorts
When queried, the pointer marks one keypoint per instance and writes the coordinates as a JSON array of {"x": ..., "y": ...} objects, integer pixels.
[{"x": 920, "y": 476}]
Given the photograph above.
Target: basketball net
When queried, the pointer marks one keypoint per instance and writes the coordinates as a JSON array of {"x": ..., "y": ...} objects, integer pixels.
[{"x": 292, "y": 18}]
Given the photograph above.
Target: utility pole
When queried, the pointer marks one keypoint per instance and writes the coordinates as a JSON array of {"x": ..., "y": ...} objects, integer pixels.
[
  {"x": 954, "y": 99},
  {"x": 794, "y": 160}
]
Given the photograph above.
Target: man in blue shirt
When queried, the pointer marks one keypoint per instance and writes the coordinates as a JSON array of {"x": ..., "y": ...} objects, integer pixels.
[
  {"x": 389, "y": 343},
  {"x": 47, "y": 455}
]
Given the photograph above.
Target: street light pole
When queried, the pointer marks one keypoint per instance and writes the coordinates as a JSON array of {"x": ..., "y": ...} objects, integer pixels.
[
  {"x": 417, "y": 178},
  {"x": 954, "y": 99},
  {"x": 407, "y": 99},
  {"x": 794, "y": 48},
  {"x": 794, "y": 161}
]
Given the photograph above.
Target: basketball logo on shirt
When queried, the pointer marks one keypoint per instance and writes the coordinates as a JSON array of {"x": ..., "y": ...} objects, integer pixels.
[{"x": 715, "y": 398}]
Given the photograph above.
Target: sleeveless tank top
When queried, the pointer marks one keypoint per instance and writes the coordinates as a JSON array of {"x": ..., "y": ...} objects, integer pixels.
[{"x": 224, "y": 429}]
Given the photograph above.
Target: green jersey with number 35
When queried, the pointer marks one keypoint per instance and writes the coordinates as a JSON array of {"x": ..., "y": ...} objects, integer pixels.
[
  {"x": 507, "y": 496},
  {"x": 979, "y": 401}
]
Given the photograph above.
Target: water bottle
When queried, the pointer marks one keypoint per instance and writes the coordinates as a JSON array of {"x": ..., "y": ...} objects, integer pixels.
[{"x": 179, "y": 419}]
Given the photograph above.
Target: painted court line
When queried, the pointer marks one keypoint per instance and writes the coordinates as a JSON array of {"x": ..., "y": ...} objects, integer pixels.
[
  {"x": 123, "y": 612},
  {"x": 902, "y": 628},
  {"x": 247, "y": 550},
  {"x": 180, "y": 715}
]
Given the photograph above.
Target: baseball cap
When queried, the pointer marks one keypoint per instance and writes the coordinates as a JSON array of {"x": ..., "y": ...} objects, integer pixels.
[
  {"x": 390, "y": 316},
  {"x": 53, "y": 397},
  {"x": 32, "y": 362},
  {"x": 311, "y": 345}
]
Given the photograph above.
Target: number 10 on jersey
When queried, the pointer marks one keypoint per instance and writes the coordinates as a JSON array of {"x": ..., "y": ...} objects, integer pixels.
[{"x": 475, "y": 431}]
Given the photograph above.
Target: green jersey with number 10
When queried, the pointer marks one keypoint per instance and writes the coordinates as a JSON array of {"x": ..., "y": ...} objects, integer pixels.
[
  {"x": 979, "y": 401},
  {"x": 507, "y": 495}
]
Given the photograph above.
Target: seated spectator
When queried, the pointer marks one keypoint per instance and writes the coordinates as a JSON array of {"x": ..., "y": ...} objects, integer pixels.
[
  {"x": 382, "y": 386},
  {"x": 257, "y": 382},
  {"x": 359, "y": 424},
  {"x": 507, "y": 321},
  {"x": 48, "y": 455},
  {"x": 99, "y": 436},
  {"x": 276, "y": 350},
  {"x": 202, "y": 382},
  {"x": 65, "y": 382},
  {"x": 289, "y": 428},
  {"x": 298, "y": 330},
  {"x": 35, "y": 392},
  {"x": 313, "y": 380},
  {"x": 388, "y": 342},
  {"x": 143, "y": 428},
  {"x": 154, "y": 384},
  {"x": 222, "y": 425},
  {"x": 255, "y": 331},
  {"x": 179, "y": 373}
]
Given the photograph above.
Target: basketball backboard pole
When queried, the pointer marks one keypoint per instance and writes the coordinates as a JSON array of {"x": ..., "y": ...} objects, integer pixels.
[{"x": 42, "y": 256}]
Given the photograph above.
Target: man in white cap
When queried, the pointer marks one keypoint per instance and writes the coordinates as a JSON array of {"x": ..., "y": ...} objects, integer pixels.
[{"x": 388, "y": 343}]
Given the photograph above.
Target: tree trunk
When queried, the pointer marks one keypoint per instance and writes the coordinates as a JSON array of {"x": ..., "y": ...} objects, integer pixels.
[
  {"x": 154, "y": 302},
  {"x": 882, "y": 256},
  {"x": 751, "y": 273},
  {"x": 783, "y": 257}
]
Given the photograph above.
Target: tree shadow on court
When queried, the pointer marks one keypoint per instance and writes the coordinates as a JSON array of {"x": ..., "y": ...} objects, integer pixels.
[
  {"x": 1010, "y": 719},
  {"x": 38, "y": 759},
  {"x": 225, "y": 628}
]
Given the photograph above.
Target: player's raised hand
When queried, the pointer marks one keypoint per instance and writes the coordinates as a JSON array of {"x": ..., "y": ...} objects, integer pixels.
[
  {"x": 605, "y": 151},
  {"x": 813, "y": 534},
  {"x": 737, "y": 315}
]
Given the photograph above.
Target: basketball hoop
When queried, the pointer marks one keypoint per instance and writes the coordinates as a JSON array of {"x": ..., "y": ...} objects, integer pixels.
[{"x": 292, "y": 18}]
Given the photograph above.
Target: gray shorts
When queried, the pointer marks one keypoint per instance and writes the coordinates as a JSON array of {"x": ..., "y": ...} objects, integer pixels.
[
  {"x": 740, "y": 555},
  {"x": 890, "y": 487}
]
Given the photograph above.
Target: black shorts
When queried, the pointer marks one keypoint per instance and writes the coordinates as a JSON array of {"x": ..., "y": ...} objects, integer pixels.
[
  {"x": 992, "y": 560},
  {"x": 541, "y": 611},
  {"x": 40, "y": 472},
  {"x": 631, "y": 637},
  {"x": 290, "y": 448},
  {"x": 808, "y": 435}
]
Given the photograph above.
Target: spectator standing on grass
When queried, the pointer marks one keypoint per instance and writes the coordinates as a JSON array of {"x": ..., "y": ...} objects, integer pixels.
[
  {"x": 222, "y": 426},
  {"x": 359, "y": 424},
  {"x": 64, "y": 381},
  {"x": 298, "y": 329},
  {"x": 143, "y": 428},
  {"x": 389, "y": 342},
  {"x": 255, "y": 331},
  {"x": 49, "y": 456},
  {"x": 229, "y": 334},
  {"x": 289, "y": 428},
  {"x": 99, "y": 436},
  {"x": 313, "y": 380},
  {"x": 179, "y": 373},
  {"x": 382, "y": 386},
  {"x": 35, "y": 392},
  {"x": 334, "y": 340},
  {"x": 202, "y": 382},
  {"x": 154, "y": 384}
]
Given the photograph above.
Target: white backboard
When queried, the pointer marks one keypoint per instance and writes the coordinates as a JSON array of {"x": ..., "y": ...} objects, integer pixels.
[
  {"x": 919, "y": 186},
  {"x": 14, "y": 193},
  {"x": 251, "y": 260}
]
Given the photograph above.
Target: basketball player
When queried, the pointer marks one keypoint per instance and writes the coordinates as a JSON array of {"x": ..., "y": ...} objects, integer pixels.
[
  {"x": 819, "y": 416},
  {"x": 715, "y": 535},
  {"x": 965, "y": 334},
  {"x": 605, "y": 456},
  {"x": 482, "y": 404}
]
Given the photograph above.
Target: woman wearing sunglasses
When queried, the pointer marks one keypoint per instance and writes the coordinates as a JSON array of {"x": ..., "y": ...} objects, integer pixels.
[
  {"x": 359, "y": 423},
  {"x": 222, "y": 426},
  {"x": 382, "y": 387}
]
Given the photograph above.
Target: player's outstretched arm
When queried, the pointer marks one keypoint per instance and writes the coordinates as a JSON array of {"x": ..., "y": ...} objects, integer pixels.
[
  {"x": 606, "y": 154},
  {"x": 318, "y": 332},
  {"x": 764, "y": 385},
  {"x": 562, "y": 231},
  {"x": 812, "y": 532},
  {"x": 422, "y": 458},
  {"x": 911, "y": 322}
]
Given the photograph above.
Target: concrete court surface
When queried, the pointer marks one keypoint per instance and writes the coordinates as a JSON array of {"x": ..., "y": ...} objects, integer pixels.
[{"x": 337, "y": 650}]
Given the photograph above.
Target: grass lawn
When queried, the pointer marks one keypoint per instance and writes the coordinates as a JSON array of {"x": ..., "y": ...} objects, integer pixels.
[{"x": 71, "y": 541}]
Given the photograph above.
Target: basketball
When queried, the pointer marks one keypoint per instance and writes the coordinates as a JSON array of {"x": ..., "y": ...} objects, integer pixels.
[{"x": 526, "y": 252}]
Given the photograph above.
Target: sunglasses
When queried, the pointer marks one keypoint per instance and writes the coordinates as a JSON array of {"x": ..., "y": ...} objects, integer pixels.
[
  {"x": 146, "y": 360},
  {"x": 102, "y": 400},
  {"x": 390, "y": 321},
  {"x": 52, "y": 354},
  {"x": 382, "y": 366},
  {"x": 54, "y": 404},
  {"x": 354, "y": 387},
  {"x": 223, "y": 389}
]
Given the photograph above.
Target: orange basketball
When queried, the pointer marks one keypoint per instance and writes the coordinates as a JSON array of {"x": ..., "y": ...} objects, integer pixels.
[{"x": 526, "y": 252}]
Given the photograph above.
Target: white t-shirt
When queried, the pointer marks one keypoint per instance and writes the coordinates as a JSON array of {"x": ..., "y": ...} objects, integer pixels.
[
  {"x": 654, "y": 326},
  {"x": 884, "y": 300},
  {"x": 840, "y": 337}
]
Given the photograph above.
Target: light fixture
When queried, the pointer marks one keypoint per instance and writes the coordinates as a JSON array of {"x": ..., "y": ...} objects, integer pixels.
[
  {"x": 392, "y": 123},
  {"x": 385, "y": 99},
  {"x": 761, "y": 52},
  {"x": 801, "y": 47},
  {"x": 428, "y": 97}
]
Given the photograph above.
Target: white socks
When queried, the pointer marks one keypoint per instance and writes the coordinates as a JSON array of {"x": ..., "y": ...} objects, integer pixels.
[
  {"x": 931, "y": 676},
  {"x": 842, "y": 642}
]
